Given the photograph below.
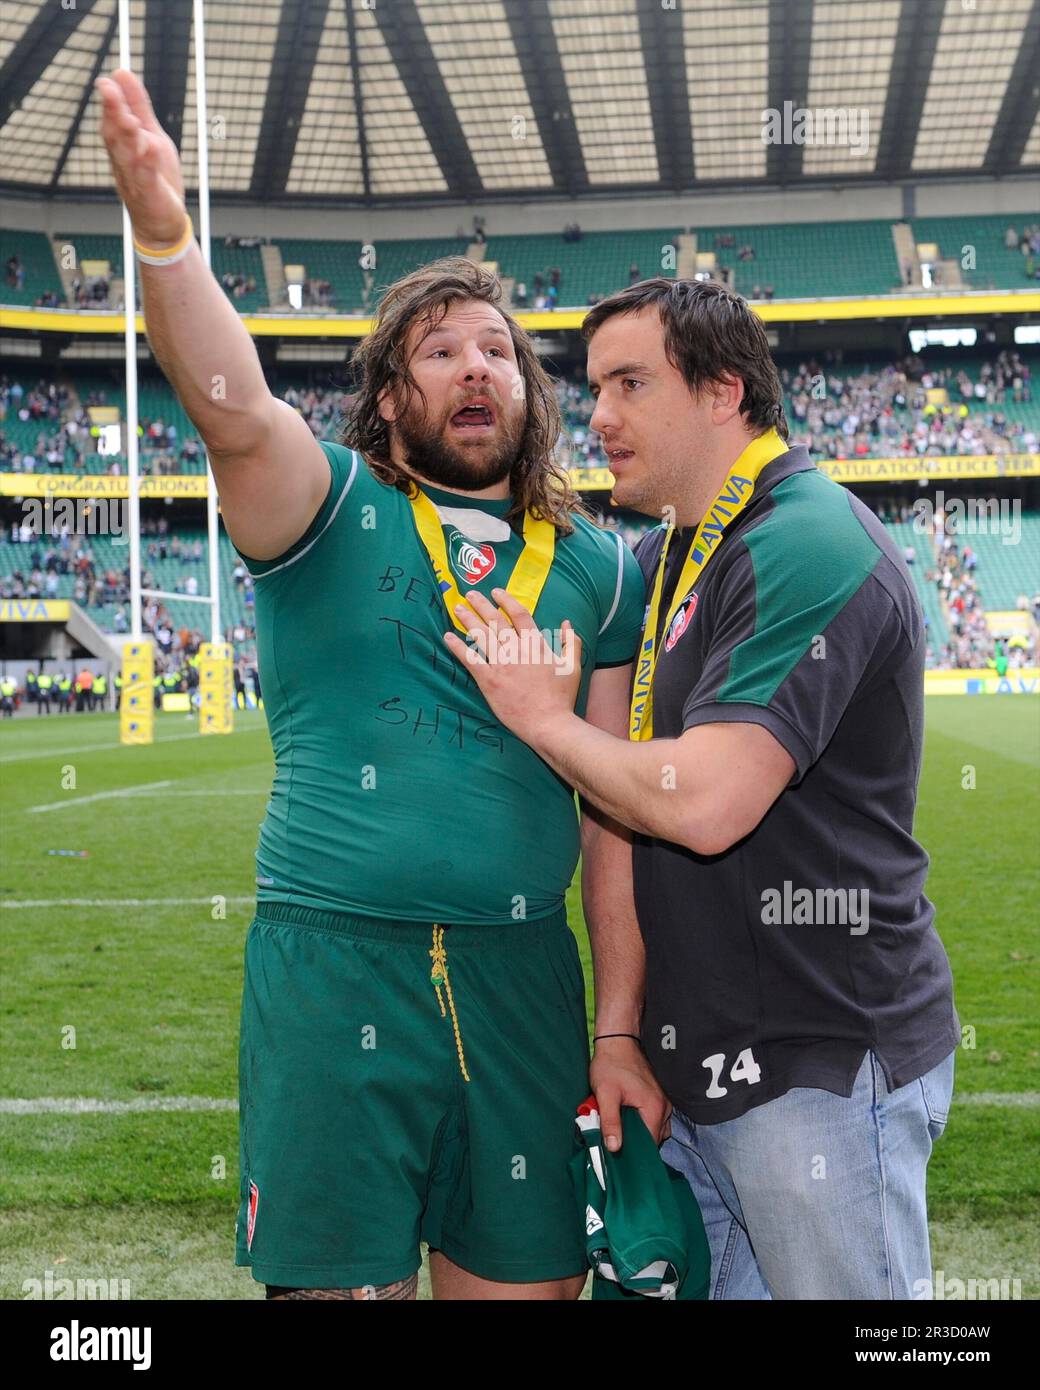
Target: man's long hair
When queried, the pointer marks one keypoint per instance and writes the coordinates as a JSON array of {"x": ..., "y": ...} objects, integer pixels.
[{"x": 537, "y": 482}]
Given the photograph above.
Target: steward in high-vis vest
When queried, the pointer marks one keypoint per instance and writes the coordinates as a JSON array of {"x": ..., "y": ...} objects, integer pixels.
[
  {"x": 45, "y": 687},
  {"x": 84, "y": 685}
]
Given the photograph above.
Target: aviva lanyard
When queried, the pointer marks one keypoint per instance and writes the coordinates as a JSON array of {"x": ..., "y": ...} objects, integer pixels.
[
  {"x": 529, "y": 573},
  {"x": 732, "y": 498}
]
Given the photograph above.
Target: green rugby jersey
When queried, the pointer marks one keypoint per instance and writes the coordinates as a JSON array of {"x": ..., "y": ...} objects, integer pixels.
[{"x": 397, "y": 793}]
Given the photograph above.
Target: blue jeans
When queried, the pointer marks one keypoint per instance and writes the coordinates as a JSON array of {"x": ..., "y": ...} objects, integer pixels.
[{"x": 819, "y": 1196}]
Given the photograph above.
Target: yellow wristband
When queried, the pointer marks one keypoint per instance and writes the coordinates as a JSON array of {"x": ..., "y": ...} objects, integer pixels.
[{"x": 166, "y": 254}]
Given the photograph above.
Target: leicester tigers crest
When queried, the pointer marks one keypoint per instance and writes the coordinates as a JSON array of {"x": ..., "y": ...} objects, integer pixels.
[
  {"x": 470, "y": 561},
  {"x": 681, "y": 621}
]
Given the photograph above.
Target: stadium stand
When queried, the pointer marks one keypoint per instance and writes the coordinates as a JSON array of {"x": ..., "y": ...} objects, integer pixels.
[
  {"x": 93, "y": 572},
  {"x": 397, "y": 258},
  {"x": 961, "y": 577},
  {"x": 55, "y": 435},
  {"x": 802, "y": 260},
  {"x": 1011, "y": 565},
  {"x": 877, "y": 411},
  {"x": 336, "y": 262},
  {"x": 95, "y": 246},
  {"x": 956, "y": 402},
  {"x": 775, "y": 261},
  {"x": 240, "y": 269},
  {"x": 355, "y": 290},
  {"x": 37, "y": 255},
  {"x": 84, "y": 247},
  {"x": 845, "y": 411},
  {"x": 29, "y": 268},
  {"x": 1000, "y": 262},
  {"x": 590, "y": 268},
  {"x": 912, "y": 540}
]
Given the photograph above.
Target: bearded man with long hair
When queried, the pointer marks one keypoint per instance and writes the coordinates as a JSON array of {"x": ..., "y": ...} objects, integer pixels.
[{"x": 413, "y": 1041}]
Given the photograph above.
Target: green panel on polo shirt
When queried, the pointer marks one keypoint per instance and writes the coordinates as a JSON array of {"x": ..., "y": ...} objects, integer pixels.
[{"x": 797, "y": 597}]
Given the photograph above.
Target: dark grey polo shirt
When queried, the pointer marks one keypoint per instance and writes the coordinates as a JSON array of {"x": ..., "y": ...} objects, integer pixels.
[{"x": 780, "y": 962}]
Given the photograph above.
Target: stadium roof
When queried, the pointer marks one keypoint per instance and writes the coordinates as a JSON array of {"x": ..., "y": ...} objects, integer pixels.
[{"x": 383, "y": 102}]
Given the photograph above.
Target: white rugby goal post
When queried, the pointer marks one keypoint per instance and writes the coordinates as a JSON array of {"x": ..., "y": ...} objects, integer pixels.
[{"x": 130, "y": 340}]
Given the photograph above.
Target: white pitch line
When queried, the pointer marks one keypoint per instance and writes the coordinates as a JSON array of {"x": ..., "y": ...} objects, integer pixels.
[
  {"x": 22, "y": 903},
  {"x": 222, "y": 791},
  {"x": 28, "y": 754},
  {"x": 91, "y": 748},
  {"x": 88, "y": 1105},
  {"x": 99, "y": 796},
  {"x": 1029, "y": 1099},
  {"x": 111, "y": 747}
]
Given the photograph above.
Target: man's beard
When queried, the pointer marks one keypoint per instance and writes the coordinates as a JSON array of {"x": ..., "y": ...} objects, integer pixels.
[{"x": 442, "y": 464}]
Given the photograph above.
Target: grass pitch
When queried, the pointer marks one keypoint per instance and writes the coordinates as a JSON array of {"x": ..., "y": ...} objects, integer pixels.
[{"x": 134, "y": 954}]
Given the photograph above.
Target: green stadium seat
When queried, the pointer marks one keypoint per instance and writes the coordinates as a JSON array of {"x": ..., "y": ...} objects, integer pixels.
[
  {"x": 1006, "y": 571},
  {"x": 338, "y": 262},
  {"x": 995, "y": 266},
  {"x": 34, "y": 251},
  {"x": 905, "y": 535},
  {"x": 109, "y": 555},
  {"x": 598, "y": 264},
  {"x": 226, "y": 259},
  {"x": 808, "y": 260}
]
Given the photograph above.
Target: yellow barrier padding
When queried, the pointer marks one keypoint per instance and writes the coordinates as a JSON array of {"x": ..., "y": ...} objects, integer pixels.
[
  {"x": 136, "y": 707},
  {"x": 216, "y": 688},
  {"x": 34, "y": 610},
  {"x": 101, "y": 485},
  {"x": 944, "y": 466},
  {"x": 1023, "y": 681},
  {"x": 281, "y": 325}
]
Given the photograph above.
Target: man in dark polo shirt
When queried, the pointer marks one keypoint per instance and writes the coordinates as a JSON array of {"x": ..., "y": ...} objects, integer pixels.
[{"x": 798, "y": 1008}]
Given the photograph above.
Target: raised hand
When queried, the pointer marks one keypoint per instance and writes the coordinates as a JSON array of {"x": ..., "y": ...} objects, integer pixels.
[{"x": 144, "y": 160}]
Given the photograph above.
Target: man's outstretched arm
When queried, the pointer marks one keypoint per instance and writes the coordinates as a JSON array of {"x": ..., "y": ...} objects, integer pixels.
[
  {"x": 705, "y": 790},
  {"x": 271, "y": 473}
]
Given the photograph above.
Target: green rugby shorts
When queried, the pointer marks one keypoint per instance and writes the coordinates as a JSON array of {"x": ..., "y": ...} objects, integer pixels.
[{"x": 381, "y": 1107}]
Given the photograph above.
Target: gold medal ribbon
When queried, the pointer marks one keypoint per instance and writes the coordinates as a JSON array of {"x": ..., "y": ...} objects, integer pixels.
[
  {"x": 529, "y": 573},
  {"x": 732, "y": 498}
]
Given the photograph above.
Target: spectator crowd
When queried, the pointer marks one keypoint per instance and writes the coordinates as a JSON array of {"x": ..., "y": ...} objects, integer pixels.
[
  {"x": 972, "y": 644},
  {"x": 1027, "y": 241},
  {"x": 909, "y": 409}
]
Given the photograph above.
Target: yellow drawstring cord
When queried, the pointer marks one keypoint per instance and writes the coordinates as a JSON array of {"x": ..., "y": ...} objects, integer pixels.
[{"x": 439, "y": 976}]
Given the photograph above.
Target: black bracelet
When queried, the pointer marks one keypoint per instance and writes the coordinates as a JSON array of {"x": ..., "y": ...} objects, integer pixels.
[{"x": 636, "y": 1036}]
